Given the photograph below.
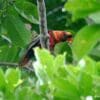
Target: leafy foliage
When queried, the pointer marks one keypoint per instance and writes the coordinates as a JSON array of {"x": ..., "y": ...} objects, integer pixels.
[
  {"x": 88, "y": 36},
  {"x": 12, "y": 26},
  {"x": 19, "y": 22},
  {"x": 81, "y": 9},
  {"x": 55, "y": 80},
  {"x": 75, "y": 73}
]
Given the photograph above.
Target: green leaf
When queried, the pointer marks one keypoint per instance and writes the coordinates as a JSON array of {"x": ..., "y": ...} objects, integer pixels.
[
  {"x": 3, "y": 39},
  {"x": 2, "y": 80},
  {"x": 81, "y": 9},
  {"x": 9, "y": 54},
  {"x": 41, "y": 73},
  {"x": 95, "y": 52},
  {"x": 96, "y": 87},
  {"x": 12, "y": 78},
  {"x": 85, "y": 84},
  {"x": 59, "y": 66},
  {"x": 95, "y": 17},
  {"x": 98, "y": 68},
  {"x": 64, "y": 47},
  {"x": 26, "y": 93},
  {"x": 28, "y": 11},
  {"x": 45, "y": 59},
  {"x": 16, "y": 31},
  {"x": 65, "y": 89},
  {"x": 85, "y": 39},
  {"x": 90, "y": 66}
]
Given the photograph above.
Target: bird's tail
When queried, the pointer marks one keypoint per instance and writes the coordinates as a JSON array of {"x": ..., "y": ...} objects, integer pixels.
[{"x": 29, "y": 53}]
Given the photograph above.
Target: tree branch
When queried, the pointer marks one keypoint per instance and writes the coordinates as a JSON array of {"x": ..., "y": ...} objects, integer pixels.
[
  {"x": 44, "y": 36},
  {"x": 9, "y": 64},
  {"x": 14, "y": 65},
  {"x": 54, "y": 10}
]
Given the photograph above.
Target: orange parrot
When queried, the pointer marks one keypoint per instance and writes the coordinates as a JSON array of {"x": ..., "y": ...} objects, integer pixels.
[{"x": 54, "y": 38}]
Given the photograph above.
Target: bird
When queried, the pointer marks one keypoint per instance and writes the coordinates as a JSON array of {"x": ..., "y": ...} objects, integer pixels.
[{"x": 55, "y": 36}]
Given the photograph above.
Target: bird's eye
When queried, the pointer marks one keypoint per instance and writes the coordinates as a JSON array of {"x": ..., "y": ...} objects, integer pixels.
[{"x": 66, "y": 37}]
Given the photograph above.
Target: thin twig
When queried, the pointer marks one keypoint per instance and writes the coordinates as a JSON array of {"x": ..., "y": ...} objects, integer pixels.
[
  {"x": 54, "y": 10},
  {"x": 44, "y": 37},
  {"x": 29, "y": 69},
  {"x": 14, "y": 65},
  {"x": 9, "y": 64}
]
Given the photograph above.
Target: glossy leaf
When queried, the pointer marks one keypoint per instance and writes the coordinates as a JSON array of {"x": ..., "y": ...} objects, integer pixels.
[
  {"x": 65, "y": 89},
  {"x": 95, "y": 17},
  {"x": 12, "y": 77},
  {"x": 16, "y": 31},
  {"x": 86, "y": 84},
  {"x": 81, "y": 9},
  {"x": 89, "y": 66},
  {"x": 95, "y": 52},
  {"x": 3, "y": 39},
  {"x": 46, "y": 60},
  {"x": 28, "y": 11},
  {"x": 85, "y": 39},
  {"x": 6, "y": 52}
]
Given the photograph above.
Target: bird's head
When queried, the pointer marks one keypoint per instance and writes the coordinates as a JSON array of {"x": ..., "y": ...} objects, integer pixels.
[{"x": 59, "y": 36}]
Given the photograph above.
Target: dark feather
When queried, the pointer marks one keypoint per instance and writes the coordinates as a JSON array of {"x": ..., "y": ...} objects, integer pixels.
[{"x": 29, "y": 53}]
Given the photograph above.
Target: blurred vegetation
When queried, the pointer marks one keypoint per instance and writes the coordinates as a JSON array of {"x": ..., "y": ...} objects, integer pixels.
[
  {"x": 54, "y": 80},
  {"x": 76, "y": 74}
]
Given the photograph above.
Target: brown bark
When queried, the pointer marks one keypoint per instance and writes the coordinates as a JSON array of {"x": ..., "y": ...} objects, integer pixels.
[{"x": 44, "y": 37}]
